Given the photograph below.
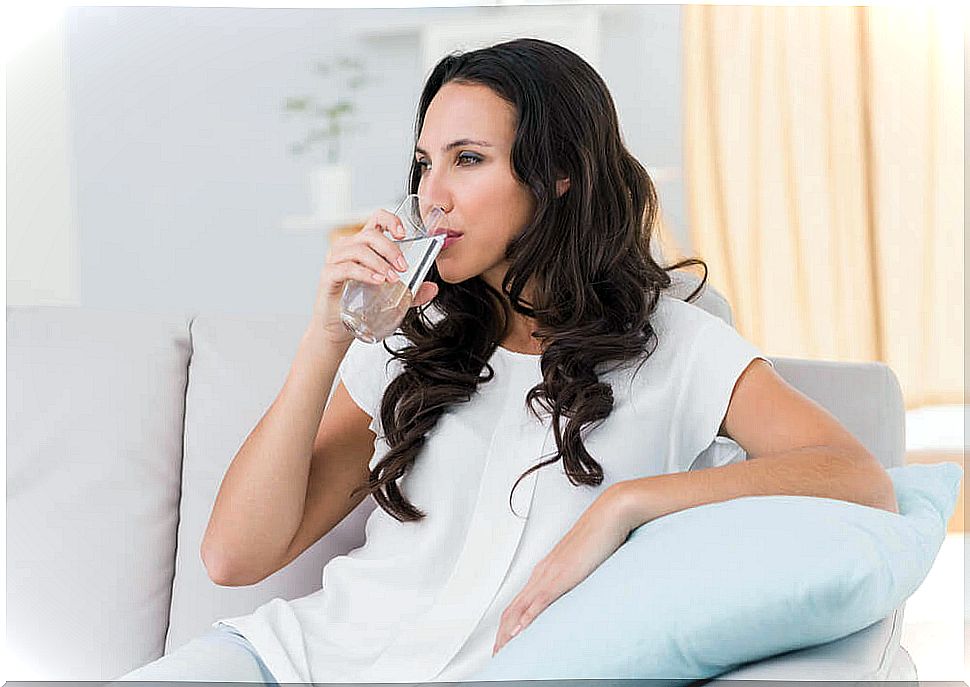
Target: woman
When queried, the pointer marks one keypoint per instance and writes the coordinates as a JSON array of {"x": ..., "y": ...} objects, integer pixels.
[{"x": 551, "y": 298}]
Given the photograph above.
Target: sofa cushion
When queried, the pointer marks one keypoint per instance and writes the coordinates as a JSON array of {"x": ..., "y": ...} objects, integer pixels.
[
  {"x": 872, "y": 653},
  {"x": 94, "y": 441},
  {"x": 239, "y": 365}
]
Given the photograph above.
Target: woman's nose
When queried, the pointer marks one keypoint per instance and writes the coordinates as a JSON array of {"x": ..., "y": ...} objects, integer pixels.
[{"x": 435, "y": 192}]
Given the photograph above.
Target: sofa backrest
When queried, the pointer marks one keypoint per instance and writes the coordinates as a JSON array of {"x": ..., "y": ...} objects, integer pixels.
[{"x": 95, "y": 404}]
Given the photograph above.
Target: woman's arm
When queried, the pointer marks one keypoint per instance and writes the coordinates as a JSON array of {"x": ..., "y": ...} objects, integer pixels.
[
  {"x": 260, "y": 503},
  {"x": 822, "y": 471},
  {"x": 794, "y": 447}
]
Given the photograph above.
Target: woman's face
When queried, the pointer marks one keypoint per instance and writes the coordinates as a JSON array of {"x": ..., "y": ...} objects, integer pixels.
[{"x": 464, "y": 153}]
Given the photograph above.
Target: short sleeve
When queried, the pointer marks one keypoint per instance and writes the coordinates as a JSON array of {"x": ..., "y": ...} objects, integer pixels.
[
  {"x": 366, "y": 370},
  {"x": 712, "y": 366}
]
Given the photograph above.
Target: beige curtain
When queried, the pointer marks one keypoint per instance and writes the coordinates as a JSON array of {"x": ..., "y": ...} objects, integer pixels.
[{"x": 824, "y": 172}]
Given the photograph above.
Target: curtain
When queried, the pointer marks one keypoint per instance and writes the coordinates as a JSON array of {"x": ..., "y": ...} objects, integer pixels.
[{"x": 824, "y": 171}]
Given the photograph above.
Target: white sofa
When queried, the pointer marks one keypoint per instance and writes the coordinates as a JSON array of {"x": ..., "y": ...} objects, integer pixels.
[{"x": 120, "y": 426}]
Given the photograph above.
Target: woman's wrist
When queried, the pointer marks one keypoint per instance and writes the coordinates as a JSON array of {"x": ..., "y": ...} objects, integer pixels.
[{"x": 320, "y": 334}]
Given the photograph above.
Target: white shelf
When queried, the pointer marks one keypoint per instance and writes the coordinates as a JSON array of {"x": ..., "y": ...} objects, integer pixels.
[
  {"x": 313, "y": 224},
  {"x": 573, "y": 26},
  {"x": 310, "y": 224}
]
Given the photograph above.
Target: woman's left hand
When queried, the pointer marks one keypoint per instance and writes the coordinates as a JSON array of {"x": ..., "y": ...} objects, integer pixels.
[{"x": 600, "y": 531}]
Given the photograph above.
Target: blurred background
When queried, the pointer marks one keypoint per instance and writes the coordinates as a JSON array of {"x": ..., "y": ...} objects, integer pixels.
[{"x": 201, "y": 159}]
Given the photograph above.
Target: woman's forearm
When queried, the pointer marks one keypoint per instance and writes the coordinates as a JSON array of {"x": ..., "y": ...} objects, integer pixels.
[
  {"x": 822, "y": 471},
  {"x": 261, "y": 501}
]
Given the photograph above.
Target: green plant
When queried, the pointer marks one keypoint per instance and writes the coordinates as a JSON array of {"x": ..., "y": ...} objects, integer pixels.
[{"x": 345, "y": 75}]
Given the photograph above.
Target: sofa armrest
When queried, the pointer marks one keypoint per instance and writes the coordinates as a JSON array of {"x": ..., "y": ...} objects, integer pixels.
[{"x": 868, "y": 654}]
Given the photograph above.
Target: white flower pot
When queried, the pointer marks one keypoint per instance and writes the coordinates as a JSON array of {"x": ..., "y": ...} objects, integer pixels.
[{"x": 330, "y": 191}]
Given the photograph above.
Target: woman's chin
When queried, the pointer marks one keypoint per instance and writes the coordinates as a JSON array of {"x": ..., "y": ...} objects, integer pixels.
[{"x": 449, "y": 276}]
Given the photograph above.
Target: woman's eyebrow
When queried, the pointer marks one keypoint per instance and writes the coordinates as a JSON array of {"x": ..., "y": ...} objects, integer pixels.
[{"x": 455, "y": 144}]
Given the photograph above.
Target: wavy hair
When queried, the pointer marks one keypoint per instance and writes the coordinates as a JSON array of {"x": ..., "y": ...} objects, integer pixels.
[{"x": 587, "y": 252}]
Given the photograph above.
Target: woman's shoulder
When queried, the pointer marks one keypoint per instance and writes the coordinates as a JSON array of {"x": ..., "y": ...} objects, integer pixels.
[
  {"x": 679, "y": 319},
  {"x": 374, "y": 358},
  {"x": 367, "y": 369},
  {"x": 394, "y": 341},
  {"x": 676, "y": 325}
]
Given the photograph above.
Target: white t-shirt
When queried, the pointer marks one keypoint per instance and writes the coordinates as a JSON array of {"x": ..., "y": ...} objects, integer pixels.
[{"x": 421, "y": 601}]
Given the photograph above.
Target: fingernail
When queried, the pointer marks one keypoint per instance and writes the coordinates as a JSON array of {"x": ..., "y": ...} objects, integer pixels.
[
  {"x": 402, "y": 263},
  {"x": 515, "y": 630}
]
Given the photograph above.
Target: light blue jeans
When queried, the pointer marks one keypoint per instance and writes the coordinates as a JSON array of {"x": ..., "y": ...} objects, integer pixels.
[{"x": 220, "y": 655}]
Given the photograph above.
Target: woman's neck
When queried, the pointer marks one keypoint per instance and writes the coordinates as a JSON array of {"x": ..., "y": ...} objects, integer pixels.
[
  {"x": 522, "y": 348},
  {"x": 520, "y": 340}
]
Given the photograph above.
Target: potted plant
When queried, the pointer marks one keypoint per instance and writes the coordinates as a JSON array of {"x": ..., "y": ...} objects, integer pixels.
[{"x": 332, "y": 120}]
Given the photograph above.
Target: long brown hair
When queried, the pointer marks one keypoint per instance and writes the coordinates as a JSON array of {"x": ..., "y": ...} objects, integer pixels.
[{"x": 587, "y": 252}]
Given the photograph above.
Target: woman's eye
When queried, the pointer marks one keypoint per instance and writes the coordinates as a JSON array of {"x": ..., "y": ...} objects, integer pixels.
[{"x": 466, "y": 158}]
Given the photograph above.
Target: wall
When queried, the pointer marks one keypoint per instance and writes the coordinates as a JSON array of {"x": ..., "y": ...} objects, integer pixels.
[
  {"x": 177, "y": 144},
  {"x": 41, "y": 228}
]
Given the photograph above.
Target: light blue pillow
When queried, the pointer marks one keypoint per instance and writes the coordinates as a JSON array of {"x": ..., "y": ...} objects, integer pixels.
[{"x": 697, "y": 593}]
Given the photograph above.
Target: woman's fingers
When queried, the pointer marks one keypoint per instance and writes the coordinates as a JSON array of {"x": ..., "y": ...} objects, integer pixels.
[
  {"x": 370, "y": 241},
  {"x": 426, "y": 293},
  {"x": 382, "y": 220},
  {"x": 372, "y": 249},
  {"x": 387, "y": 249},
  {"x": 351, "y": 270},
  {"x": 365, "y": 254}
]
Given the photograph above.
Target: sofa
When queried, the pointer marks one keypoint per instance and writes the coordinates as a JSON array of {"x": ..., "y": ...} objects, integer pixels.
[{"x": 120, "y": 427}]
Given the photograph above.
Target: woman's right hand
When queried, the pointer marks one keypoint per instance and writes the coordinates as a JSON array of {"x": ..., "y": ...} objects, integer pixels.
[{"x": 360, "y": 257}]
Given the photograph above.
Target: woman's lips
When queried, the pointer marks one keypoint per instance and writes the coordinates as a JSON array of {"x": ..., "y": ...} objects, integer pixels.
[
  {"x": 452, "y": 236},
  {"x": 451, "y": 240}
]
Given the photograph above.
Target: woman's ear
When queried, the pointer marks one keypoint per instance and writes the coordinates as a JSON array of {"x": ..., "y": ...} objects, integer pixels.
[{"x": 562, "y": 185}]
